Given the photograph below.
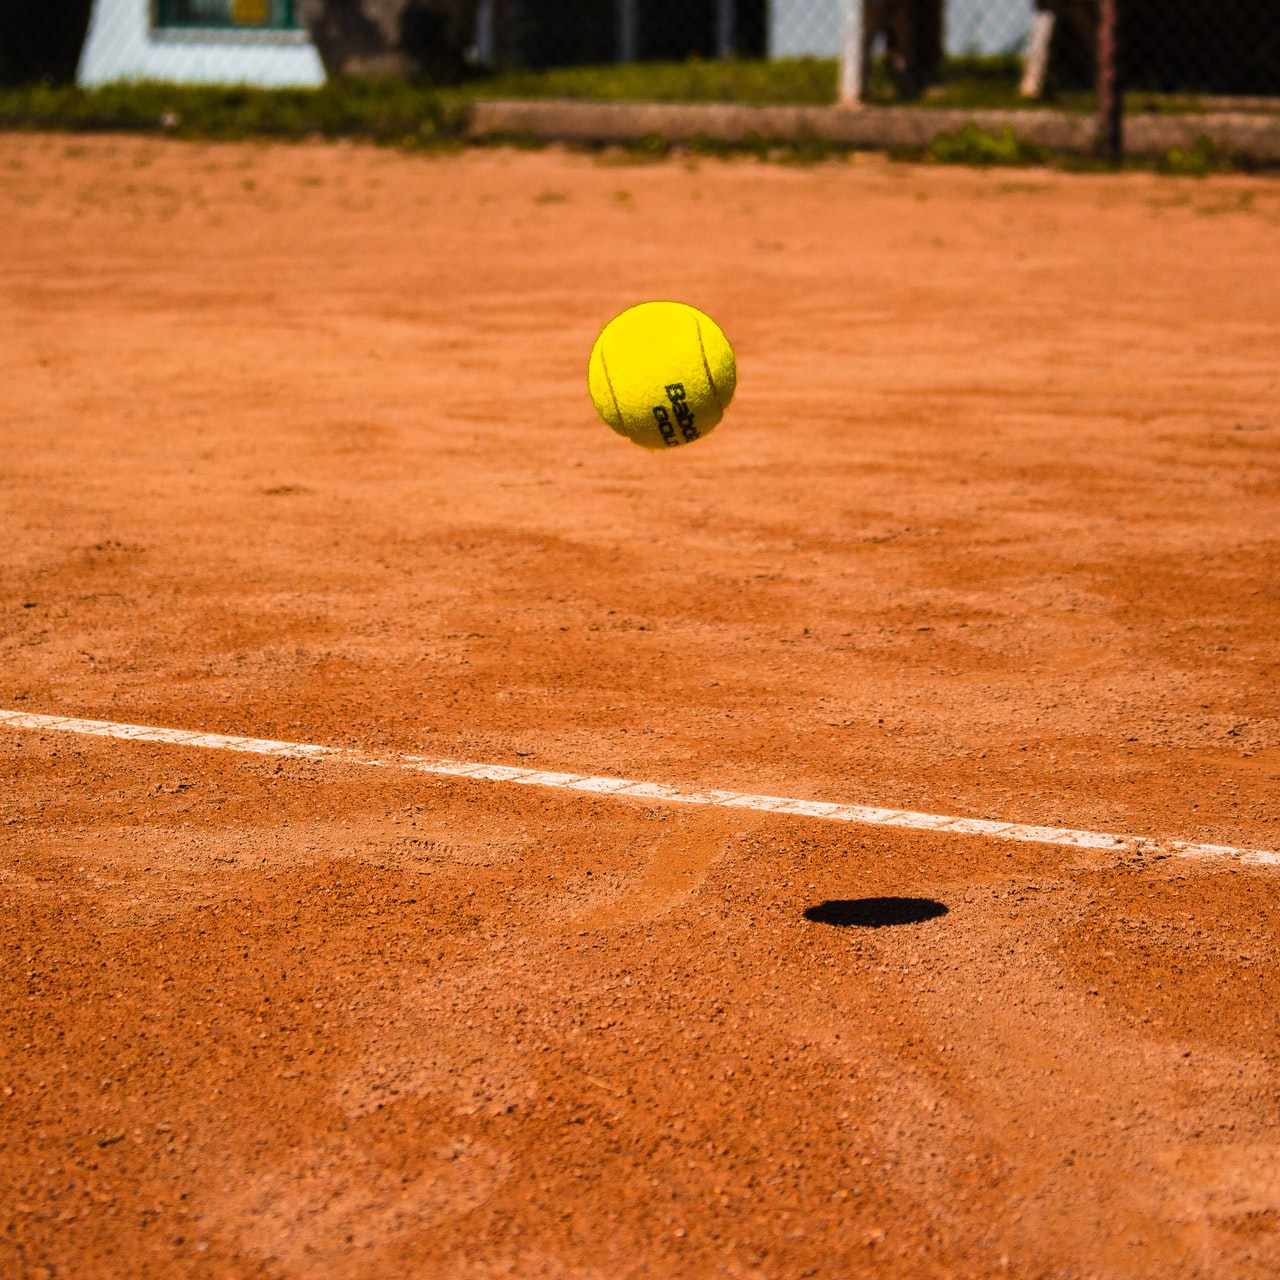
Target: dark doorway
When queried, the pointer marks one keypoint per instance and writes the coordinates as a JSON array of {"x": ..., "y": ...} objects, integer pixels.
[{"x": 41, "y": 42}]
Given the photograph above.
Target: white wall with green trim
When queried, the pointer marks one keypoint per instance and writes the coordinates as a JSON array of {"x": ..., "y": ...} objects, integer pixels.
[{"x": 198, "y": 42}]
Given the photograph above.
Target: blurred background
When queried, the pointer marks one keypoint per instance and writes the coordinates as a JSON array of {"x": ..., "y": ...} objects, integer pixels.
[{"x": 976, "y": 52}]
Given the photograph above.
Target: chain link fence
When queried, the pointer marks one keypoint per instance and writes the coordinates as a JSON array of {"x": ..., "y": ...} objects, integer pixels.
[
  {"x": 1229, "y": 48},
  {"x": 1179, "y": 47},
  {"x": 1152, "y": 55},
  {"x": 560, "y": 33}
]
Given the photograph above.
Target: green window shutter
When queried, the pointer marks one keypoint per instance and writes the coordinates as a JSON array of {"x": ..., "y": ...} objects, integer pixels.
[{"x": 228, "y": 15}]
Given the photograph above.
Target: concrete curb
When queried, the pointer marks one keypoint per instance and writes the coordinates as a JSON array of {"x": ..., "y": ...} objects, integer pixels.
[
  {"x": 1257, "y": 136},
  {"x": 1254, "y": 136}
]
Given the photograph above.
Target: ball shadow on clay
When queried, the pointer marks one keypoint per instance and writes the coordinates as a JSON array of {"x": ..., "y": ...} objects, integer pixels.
[{"x": 874, "y": 913}]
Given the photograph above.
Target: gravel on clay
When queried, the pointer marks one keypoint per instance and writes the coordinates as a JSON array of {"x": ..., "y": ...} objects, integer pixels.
[{"x": 295, "y": 443}]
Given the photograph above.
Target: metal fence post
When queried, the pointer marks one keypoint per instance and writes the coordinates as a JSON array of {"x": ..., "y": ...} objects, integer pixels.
[
  {"x": 485, "y": 43},
  {"x": 1110, "y": 89},
  {"x": 726, "y": 27},
  {"x": 853, "y": 54},
  {"x": 628, "y": 30}
]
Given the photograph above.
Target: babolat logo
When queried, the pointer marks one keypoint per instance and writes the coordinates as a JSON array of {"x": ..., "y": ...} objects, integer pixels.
[{"x": 680, "y": 411}]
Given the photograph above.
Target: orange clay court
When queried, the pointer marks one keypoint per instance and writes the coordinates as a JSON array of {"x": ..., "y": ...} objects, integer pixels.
[{"x": 297, "y": 446}]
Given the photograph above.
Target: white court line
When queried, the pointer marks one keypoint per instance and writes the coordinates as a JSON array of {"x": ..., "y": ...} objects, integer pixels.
[{"x": 858, "y": 813}]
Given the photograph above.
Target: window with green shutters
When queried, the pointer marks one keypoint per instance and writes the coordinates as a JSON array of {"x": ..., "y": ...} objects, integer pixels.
[{"x": 228, "y": 15}]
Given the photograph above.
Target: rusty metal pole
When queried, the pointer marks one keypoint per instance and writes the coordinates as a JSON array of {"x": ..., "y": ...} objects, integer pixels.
[{"x": 1110, "y": 88}]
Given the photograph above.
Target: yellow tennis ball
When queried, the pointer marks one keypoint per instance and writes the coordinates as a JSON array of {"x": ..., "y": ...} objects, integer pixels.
[{"x": 662, "y": 374}]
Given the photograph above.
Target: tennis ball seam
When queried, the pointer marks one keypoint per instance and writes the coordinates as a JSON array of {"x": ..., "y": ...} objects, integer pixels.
[
  {"x": 702, "y": 349},
  {"x": 604, "y": 365}
]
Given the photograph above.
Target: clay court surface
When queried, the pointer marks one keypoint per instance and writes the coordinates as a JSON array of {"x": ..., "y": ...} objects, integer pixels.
[{"x": 296, "y": 445}]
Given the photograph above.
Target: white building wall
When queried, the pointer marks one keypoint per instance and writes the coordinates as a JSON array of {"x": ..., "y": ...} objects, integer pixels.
[
  {"x": 811, "y": 28},
  {"x": 987, "y": 26},
  {"x": 805, "y": 28},
  {"x": 120, "y": 45}
]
